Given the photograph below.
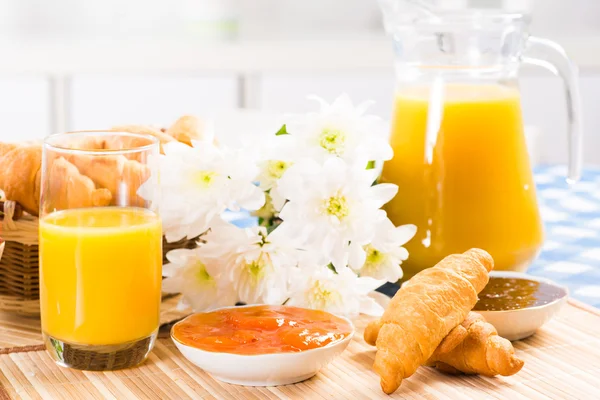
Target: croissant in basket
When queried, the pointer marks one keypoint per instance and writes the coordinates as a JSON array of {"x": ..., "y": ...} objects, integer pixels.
[
  {"x": 20, "y": 174},
  {"x": 20, "y": 167},
  {"x": 21, "y": 181}
]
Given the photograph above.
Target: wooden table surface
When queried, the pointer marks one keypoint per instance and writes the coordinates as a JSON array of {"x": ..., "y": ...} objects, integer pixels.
[{"x": 562, "y": 361}]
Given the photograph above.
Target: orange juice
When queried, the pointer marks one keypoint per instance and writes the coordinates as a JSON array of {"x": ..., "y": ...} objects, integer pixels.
[
  {"x": 464, "y": 176},
  {"x": 100, "y": 274}
]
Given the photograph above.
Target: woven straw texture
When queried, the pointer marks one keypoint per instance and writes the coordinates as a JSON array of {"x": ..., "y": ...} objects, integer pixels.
[
  {"x": 19, "y": 273},
  {"x": 562, "y": 361}
]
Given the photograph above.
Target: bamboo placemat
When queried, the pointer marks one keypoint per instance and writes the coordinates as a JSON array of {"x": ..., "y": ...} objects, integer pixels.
[
  {"x": 17, "y": 330},
  {"x": 562, "y": 361}
]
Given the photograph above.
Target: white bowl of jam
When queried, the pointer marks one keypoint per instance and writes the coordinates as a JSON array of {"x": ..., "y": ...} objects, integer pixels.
[
  {"x": 518, "y": 304},
  {"x": 262, "y": 345}
]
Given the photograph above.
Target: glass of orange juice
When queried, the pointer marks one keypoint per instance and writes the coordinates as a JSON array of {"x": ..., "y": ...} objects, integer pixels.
[{"x": 100, "y": 249}]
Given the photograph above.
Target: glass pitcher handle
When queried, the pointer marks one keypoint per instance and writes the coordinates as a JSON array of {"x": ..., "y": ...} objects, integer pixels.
[{"x": 550, "y": 55}]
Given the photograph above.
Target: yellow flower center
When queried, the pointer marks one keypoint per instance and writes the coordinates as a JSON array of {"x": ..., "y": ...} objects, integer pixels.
[
  {"x": 276, "y": 168},
  {"x": 204, "y": 179},
  {"x": 337, "y": 206},
  {"x": 202, "y": 275},
  {"x": 319, "y": 296},
  {"x": 374, "y": 258},
  {"x": 332, "y": 140},
  {"x": 256, "y": 270}
]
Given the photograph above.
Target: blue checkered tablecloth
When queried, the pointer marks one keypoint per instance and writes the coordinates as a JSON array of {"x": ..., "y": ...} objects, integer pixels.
[{"x": 571, "y": 252}]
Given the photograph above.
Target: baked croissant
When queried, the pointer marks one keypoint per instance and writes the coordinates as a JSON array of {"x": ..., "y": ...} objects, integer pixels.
[
  {"x": 6, "y": 147},
  {"x": 186, "y": 129},
  {"x": 134, "y": 175},
  {"x": 135, "y": 142},
  {"x": 103, "y": 170},
  {"x": 122, "y": 177},
  {"x": 20, "y": 179},
  {"x": 67, "y": 188},
  {"x": 20, "y": 169},
  {"x": 423, "y": 312},
  {"x": 474, "y": 347}
]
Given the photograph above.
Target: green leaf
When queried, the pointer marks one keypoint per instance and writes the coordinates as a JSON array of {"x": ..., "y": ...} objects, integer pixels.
[
  {"x": 331, "y": 267},
  {"x": 282, "y": 131},
  {"x": 371, "y": 165}
]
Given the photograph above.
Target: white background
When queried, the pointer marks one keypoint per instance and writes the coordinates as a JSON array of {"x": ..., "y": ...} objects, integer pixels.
[{"x": 73, "y": 64}]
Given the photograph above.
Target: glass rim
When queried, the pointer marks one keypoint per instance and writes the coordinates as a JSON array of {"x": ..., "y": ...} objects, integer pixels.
[
  {"x": 153, "y": 142},
  {"x": 474, "y": 17},
  {"x": 476, "y": 14}
]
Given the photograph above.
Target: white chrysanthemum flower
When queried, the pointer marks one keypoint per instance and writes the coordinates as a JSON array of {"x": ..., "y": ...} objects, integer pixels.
[
  {"x": 276, "y": 155},
  {"x": 332, "y": 206},
  {"x": 271, "y": 171},
  {"x": 256, "y": 264},
  {"x": 342, "y": 130},
  {"x": 341, "y": 293},
  {"x": 382, "y": 258},
  {"x": 199, "y": 183},
  {"x": 201, "y": 285}
]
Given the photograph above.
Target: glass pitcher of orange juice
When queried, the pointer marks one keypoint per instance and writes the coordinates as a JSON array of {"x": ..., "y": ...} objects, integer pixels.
[{"x": 460, "y": 155}]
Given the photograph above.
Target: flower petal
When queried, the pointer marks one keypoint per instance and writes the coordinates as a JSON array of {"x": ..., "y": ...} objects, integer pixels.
[
  {"x": 252, "y": 198},
  {"x": 366, "y": 285},
  {"x": 383, "y": 193},
  {"x": 357, "y": 256},
  {"x": 174, "y": 235},
  {"x": 370, "y": 307},
  {"x": 180, "y": 256},
  {"x": 403, "y": 234},
  {"x": 170, "y": 270}
]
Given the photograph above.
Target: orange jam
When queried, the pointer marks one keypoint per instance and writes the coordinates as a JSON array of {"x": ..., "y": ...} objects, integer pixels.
[{"x": 261, "y": 330}]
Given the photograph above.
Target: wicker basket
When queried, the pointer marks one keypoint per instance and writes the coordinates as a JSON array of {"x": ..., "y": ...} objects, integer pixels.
[
  {"x": 19, "y": 272},
  {"x": 19, "y": 265}
]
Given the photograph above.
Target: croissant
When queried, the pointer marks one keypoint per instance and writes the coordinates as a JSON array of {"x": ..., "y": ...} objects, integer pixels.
[
  {"x": 103, "y": 170},
  {"x": 186, "y": 129},
  {"x": 474, "y": 347},
  {"x": 20, "y": 179},
  {"x": 67, "y": 188},
  {"x": 122, "y": 177},
  {"x": 134, "y": 175},
  {"x": 6, "y": 147},
  {"x": 135, "y": 142},
  {"x": 423, "y": 312},
  {"x": 20, "y": 169}
]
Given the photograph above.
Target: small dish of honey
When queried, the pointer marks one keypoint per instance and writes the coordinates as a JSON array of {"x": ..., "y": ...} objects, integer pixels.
[{"x": 518, "y": 304}]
